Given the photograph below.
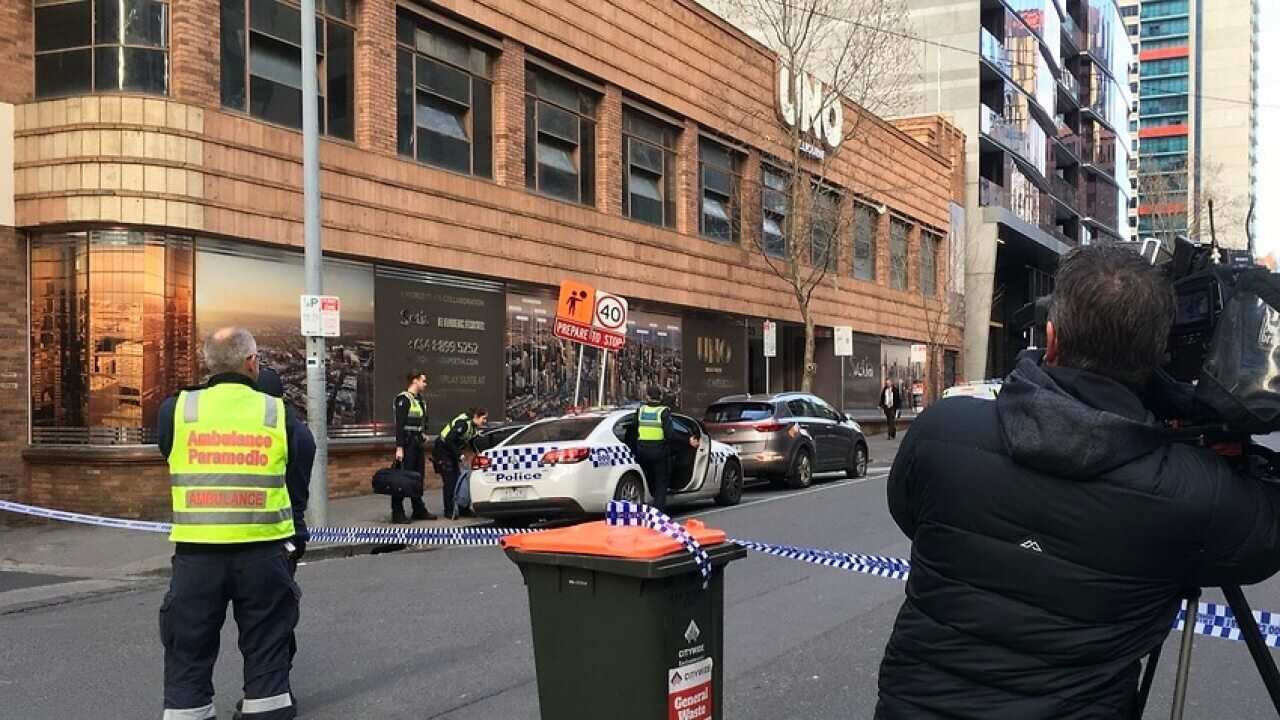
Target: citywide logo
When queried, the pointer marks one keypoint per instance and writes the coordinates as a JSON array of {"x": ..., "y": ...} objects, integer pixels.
[{"x": 714, "y": 351}]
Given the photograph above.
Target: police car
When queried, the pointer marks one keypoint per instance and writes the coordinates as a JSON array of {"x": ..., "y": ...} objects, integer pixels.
[{"x": 575, "y": 465}]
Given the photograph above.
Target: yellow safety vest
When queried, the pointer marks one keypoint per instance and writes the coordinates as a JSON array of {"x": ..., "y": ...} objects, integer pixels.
[
  {"x": 649, "y": 419},
  {"x": 227, "y": 467},
  {"x": 462, "y": 417},
  {"x": 417, "y": 413}
]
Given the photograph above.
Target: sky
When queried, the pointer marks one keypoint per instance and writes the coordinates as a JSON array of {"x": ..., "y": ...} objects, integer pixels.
[{"x": 1268, "y": 189}]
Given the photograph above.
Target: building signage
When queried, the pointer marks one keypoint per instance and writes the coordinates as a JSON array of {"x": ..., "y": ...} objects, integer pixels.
[
  {"x": 815, "y": 112},
  {"x": 590, "y": 317},
  {"x": 770, "y": 339},
  {"x": 715, "y": 359},
  {"x": 844, "y": 341},
  {"x": 320, "y": 315}
]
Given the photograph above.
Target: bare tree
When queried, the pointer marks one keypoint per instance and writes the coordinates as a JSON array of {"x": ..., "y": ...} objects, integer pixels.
[
  {"x": 829, "y": 53},
  {"x": 938, "y": 301},
  {"x": 1171, "y": 209}
]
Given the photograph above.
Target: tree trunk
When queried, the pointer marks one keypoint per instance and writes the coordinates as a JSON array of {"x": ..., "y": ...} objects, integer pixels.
[{"x": 810, "y": 368}]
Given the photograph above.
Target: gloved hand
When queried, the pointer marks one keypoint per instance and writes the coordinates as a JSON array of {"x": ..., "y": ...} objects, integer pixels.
[{"x": 299, "y": 549}]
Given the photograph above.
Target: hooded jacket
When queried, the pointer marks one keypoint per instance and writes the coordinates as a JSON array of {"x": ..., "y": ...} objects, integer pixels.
[{"x": 1054, "y": 532}]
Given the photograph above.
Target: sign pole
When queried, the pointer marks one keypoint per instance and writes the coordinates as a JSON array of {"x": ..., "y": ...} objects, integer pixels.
[
  {"x": 577, "y": 385},
  {"x": 766, "y": 374},
  {"x": 317, "y": 400},
  {"x": 842, "y": 408},
  {"x": 604, "y": 366}
]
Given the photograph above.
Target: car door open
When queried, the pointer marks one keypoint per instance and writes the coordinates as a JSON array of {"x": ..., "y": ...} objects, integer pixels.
[{"x": 689, "y": 473}]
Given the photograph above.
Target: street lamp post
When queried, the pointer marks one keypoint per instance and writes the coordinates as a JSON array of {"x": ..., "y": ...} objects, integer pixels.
[{"x": 317, "y": 398}]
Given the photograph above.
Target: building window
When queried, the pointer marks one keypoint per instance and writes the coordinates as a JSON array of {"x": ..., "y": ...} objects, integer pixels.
[
  {"x": 824, "y": 224},
  {"x": 101, "y": 46},
  {"x": 262, "y": 63},
  {"x": 719, "y": 184},
  {"x": 648, "y": 169},
  {"x": 775, "y": 198},
  {"x": 866, "y": 222},
  {"x": 1172, "y": 66},
  {"x": 444, "y": 106},
  {"x": 929, "y": 244},
  {"x": 898, "y": 270},
  {"x": 560, "y": 137}
]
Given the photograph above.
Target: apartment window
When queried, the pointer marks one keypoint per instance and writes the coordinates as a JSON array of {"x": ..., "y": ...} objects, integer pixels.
[
  {"x": 824, "y": 221},
  {"x": 560, "y": 137},
  {"x": 1172, "y": 66},
  {"x": 898, "y": 233},
  {"x": 1165, "y": 86},
  {"x": 1178, "y": 42},
  {"x": 1165, "y": 28},
  {"x": 1162, "y": 121},
  {"x": 262, "y": 62},
  {"x": 1163, "y": 106},
  {"x": 1164, "y": 145},
  {"x": 929, "y": 244},
  {"x": 865, "y": 224},
  {"x": 1164, "y": 8},
  {"x": 648, "y": 169},
  {"x": 101, "y": 46},
  {"x": 444, "y": 97},
  {"x": 718, "y": 184},
  {"x": 775, "y": 198}
]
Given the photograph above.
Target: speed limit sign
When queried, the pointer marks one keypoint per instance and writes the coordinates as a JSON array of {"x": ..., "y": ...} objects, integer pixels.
[{"x": 611, "y": 313}]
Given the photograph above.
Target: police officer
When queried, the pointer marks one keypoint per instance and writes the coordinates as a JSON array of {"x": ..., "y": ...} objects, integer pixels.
[
  {"x": 447, "y": 451},
  {"x": 411, "y": 420},
  {"x": 237, "y": 503},
  {"x": 654, "y": 441}
]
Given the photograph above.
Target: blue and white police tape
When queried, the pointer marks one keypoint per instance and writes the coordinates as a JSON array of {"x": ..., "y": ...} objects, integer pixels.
[
  {"x": 627, "y": 514},
  {"x": 1212, "y": 620}
]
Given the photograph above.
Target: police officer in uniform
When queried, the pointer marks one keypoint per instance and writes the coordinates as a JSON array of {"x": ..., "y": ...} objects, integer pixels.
[
  {"x": 411, "y": 420},
  {"x": 447, "y": 451},
  {"x": 237, "y": 506},
  {"x": 654, "y": 440}
]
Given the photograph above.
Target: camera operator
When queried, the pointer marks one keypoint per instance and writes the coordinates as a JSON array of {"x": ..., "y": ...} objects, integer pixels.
[{"x": 1055, "y": 530}]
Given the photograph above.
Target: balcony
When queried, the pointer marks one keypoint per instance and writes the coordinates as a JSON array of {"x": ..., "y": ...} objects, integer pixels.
[
  {"x": 990, "y": 194},
  {"x": 998, "y": 128},
  {"x": 1074, "y": 34},
  {"x": 1065, "y": 191},
  {"x": 1071, "y": 84},
  {"x": 995, "y": 53}
]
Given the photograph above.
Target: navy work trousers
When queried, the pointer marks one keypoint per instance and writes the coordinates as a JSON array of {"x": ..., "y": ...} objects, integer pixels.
[{"x": 264, "y": 598}]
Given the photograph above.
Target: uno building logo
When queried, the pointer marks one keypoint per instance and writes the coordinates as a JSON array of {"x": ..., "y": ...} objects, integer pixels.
[{"x": 714, "y": 351}]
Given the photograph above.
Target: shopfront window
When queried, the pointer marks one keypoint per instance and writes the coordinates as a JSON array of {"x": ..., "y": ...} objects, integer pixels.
[
  {"x": 560, "y": 137},
  {"x": 84, "y": 46},
  {"x": 261, "y": 43},
  {"x": 648, "y": 169},
  {"x": 866, "y": 222},
  {"x": 898, "y": 234},
  {"x": 444, "y": 97},
  {"x": 111, "y": 333},
  {"x": 719, "y": 185}
]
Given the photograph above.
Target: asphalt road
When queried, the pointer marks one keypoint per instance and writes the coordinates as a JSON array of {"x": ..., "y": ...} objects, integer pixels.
[{"x": 445, "y": 634}]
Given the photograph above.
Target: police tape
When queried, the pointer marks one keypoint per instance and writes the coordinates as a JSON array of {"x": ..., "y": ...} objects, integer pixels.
[
  {"x": 628, "y": 514},
  {"x": 1212, "y": 620}
]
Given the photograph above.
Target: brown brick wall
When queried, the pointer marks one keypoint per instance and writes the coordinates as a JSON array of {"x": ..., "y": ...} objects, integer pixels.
[
  {"x": 508, "y": 116},
  {"x": 17, "y": 63},
  {"x": 13, "y": 362},
  {"x": 609, "y": 149},
  {"x": 194, "y": 52},
  {"x": 376, "y": 76}
]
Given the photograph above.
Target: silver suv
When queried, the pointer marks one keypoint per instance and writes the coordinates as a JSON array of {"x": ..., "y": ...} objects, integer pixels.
[{"x": 787, "y": 437}]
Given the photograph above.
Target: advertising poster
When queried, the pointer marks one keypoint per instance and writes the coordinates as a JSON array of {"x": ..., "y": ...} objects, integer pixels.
[{"x": 715, "y": 359}]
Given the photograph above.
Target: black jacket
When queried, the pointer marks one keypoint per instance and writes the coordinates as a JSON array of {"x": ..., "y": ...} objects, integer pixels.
[
  {"x": 405, "y": 438},
  {"x": 632, "y": 436},
  {"x": 450, "y": 446},
  {"x": 1053, "y": 533},
  {"x": 897, "y": 398},
  {"x": 302, "y": 454}
]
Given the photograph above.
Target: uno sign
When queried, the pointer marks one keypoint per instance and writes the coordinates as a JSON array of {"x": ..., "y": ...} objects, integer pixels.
[
  {"x": 591, "y": 317},
  {"x": 807, "y": 106}
]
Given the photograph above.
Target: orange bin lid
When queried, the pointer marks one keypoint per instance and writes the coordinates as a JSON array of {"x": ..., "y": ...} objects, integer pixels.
[{"x": 600, "y": 538}]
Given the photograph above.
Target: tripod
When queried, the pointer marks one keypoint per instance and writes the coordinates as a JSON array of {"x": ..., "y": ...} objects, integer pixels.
[{"x": 1249, "y": 631}]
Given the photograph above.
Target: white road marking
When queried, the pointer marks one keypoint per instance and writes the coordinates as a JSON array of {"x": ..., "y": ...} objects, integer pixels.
[{"x": 790, "y": 495}]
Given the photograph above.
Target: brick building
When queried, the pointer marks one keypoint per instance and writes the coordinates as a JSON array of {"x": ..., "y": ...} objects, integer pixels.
[{"x": 474, "y": 154}]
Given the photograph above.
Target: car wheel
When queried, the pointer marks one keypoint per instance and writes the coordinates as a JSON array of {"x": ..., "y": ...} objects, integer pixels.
[
  {"x": 730, "y": 485},
  {"x": 801, "y": 473},
  {"x": 630, "y": 489},
  {"x": 858, "y": 463}
]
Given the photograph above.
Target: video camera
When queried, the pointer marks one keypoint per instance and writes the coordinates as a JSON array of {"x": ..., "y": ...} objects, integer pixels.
[{"x": 1223, "y": 374}]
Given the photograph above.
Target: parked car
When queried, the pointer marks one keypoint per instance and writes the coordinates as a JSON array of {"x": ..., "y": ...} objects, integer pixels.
[
  {"x": 981, "y": 389},
  {"x": 574, "y": 465},
  {"x": 787, "y": 437}
]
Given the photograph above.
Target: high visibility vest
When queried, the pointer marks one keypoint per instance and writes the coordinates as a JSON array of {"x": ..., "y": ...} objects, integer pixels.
[
  {"x": 462, "y": 417},
  {"x": 649, "y": 422},
  {"x": 227, "y": 467},
  {"x": 417, "y": 413}
]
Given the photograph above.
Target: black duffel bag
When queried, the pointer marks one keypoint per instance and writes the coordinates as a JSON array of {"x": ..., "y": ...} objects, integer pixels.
[{"x": 395, "y": 480}]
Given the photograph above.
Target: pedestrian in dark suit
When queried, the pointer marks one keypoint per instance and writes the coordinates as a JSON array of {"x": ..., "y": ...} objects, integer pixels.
[{"x": 891, "y": 403}]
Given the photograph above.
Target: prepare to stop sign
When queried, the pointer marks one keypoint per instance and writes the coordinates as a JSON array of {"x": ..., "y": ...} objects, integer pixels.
[{"x": 586, "y": 315}]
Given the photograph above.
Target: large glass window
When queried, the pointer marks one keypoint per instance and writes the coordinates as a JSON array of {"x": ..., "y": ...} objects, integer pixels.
[
  {"x": 560, "y": 135},
  {"x": 1163, "y": 146},
  {"x": 1163, "y": 28},
  {"x": 262, "y": 62},
  {"x": 929, "y": 245},
  {"x": 775, "y": 196},
  {"x": 824, "y": 224},
  {"x": 719, "y": 184},
  {"x": 1164, "y": 86},
  {"x": 101, "y": 46},
  {"x": 1163, "y": 8},
  {"x": 899, "y": 231},
  {"x": 111, "y": 333},
  {"x": 1172, "y": 66},
  {"x": 1163, "y": 106},
  {"x": 866, "y": 222},
  {"x": 444, "y": 108},
  {"x": 648, "y": 169}
]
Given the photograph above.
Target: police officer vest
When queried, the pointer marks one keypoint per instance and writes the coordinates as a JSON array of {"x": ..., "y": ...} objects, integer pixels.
[
  {"x": 227, "y": 467},
  {"x": 649, "y": 419},
  {"x": 417, "y": 414},
  {"x": 462, "y": 417}
]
